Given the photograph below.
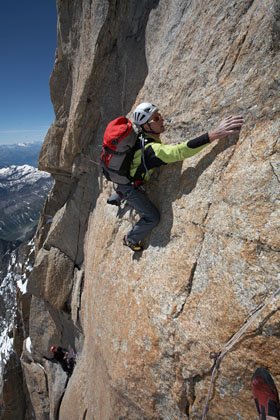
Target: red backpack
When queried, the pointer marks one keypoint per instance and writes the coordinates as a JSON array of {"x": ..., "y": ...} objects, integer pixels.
[{"x": 117, "y": 150}]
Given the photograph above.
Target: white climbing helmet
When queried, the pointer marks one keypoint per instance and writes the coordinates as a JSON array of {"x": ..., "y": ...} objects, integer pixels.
[{"x": 143, "y": 112}]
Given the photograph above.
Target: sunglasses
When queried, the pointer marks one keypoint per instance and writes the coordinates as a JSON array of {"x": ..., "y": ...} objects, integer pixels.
[{"x": 156, "y": 118}]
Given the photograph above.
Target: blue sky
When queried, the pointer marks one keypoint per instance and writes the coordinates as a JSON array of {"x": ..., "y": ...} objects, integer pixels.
[{"x": 27, "y": 51}]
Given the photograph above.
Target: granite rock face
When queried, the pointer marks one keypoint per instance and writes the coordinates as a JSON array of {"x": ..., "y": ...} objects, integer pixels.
[{"x": 149, "y": 328}]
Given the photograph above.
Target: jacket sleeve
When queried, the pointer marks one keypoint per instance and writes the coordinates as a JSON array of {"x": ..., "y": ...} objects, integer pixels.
[{"x": 170, "y": 153}]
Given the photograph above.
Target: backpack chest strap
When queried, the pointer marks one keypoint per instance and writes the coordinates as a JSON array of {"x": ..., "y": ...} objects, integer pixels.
[{"x": 113, "y": 152}]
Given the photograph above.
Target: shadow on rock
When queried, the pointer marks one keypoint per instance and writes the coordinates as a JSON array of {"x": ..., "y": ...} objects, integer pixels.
[{"x": 179, "y": 185}]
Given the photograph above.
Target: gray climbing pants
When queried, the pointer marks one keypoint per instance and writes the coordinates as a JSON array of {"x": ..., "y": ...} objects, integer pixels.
[{"x": 149, "y": 214}]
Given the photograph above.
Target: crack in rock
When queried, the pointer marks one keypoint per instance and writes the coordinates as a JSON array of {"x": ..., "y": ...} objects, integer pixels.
[
  {"x": 240, "y": 45},
  {"x": 189, "y": 285},
  {"x": 188, "y": 291},
  {"x": 276, "y": 168},
  {"x": 258, "y": 242}
]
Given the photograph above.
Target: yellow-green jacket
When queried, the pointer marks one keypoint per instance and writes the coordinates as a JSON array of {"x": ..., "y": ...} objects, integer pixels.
[{"x": 155, "y": 154}]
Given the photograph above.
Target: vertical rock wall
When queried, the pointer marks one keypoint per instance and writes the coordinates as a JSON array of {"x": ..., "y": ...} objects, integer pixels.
[{"x": 148, "y": 328}]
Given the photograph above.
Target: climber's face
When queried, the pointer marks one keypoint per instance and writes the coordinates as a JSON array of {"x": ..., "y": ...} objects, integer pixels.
[{"x": 156, "y": 123}]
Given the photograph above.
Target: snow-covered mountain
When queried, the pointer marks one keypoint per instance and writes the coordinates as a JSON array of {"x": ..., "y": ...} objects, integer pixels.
[
  {"x": 23, "y": 190},
  {"x": 12, "y": 278},
  {"x": 16, "y": 263}
]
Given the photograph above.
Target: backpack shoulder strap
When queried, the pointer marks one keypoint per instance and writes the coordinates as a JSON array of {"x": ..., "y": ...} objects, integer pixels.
[{"x": 143, "y": 140}]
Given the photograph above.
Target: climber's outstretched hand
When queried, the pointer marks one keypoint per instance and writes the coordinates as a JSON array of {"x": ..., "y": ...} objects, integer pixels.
[{"x": 230, "y": 125}]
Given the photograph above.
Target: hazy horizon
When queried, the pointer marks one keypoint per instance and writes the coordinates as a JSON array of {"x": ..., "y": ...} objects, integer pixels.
[
  {"x": 21, "y": 142},
  {"x": 8, "y": 137}
]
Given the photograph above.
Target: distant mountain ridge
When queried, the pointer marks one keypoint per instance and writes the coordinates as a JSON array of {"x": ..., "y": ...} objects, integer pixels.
[
  {"x": 23, "y": 190},
  {"x": 20, "y": 154}
]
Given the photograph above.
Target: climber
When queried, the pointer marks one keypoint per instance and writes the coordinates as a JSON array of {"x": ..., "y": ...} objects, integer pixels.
[
  {"x": 265, "y": 395},
  {"x": 65, "y": 358},
  {"x": 150, "y": 123}
]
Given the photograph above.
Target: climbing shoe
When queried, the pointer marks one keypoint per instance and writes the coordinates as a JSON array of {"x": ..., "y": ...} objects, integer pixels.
[
  {"x": 135, "y": 247},
  {"x": 265, "y": 394}
]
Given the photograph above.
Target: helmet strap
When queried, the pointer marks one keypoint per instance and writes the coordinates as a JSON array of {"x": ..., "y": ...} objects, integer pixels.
[{"x": 151, "y": 131}]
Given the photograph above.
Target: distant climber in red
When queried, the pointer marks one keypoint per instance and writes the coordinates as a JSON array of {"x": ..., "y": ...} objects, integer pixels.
[
  {"x": 265, "y": 395},
  {"x": 65, "y": 358}
]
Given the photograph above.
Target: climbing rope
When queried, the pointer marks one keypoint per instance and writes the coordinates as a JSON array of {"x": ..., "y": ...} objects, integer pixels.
[
  {"x": 93, "y": 161},
  {"x": 228, "y": 346}
]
